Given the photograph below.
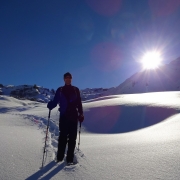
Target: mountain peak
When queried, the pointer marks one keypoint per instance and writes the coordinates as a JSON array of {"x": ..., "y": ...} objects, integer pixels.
[{"x": 164, "y": 78}]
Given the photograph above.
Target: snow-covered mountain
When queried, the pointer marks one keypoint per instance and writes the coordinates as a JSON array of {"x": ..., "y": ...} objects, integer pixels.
[
  {"x": 164, "y": 78},
  {"x": 30, "y": 92},
  {"x": 91, "y": 93},
  {"x": 41, "y": 94}
]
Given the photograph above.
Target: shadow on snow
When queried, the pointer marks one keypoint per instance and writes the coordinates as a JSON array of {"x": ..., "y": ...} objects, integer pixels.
[
  {"x": 41, "y": 174},
  {"x": 120, "y": 119}
]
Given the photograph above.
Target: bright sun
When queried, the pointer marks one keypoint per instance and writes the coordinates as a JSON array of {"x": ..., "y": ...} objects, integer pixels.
[{"x": 151, "y": 60}]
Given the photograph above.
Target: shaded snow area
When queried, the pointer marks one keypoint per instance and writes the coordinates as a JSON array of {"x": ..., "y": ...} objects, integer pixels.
[{"x": 135, "y": 136}]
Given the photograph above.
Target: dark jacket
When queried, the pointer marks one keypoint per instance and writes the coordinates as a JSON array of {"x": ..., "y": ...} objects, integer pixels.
[{"x": 69, "y": 99}]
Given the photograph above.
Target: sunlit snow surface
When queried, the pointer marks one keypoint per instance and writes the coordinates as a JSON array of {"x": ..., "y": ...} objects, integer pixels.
[{"x": 123, "y": 137}]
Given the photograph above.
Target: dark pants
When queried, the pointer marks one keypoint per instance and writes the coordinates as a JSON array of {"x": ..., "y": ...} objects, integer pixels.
[{"x": 68, "y": 134}]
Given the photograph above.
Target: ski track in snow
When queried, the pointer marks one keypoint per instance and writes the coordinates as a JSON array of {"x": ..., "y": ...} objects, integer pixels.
[{"x": 146, "y": 153}]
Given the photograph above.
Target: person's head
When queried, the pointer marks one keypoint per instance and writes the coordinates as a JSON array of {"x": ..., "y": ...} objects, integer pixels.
[{"x": 67, "y": 78}]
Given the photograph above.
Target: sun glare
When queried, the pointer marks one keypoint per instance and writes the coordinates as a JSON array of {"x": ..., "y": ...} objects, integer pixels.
[{"x": 151, "y": 60}]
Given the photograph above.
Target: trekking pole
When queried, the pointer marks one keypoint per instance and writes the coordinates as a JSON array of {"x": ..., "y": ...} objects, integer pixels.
[
  {"x": 79, "y": 135},
  {"x": 46, "y": 138}
]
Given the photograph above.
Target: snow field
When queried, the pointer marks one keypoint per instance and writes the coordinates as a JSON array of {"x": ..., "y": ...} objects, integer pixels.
[{"x": 123, "y": 137}]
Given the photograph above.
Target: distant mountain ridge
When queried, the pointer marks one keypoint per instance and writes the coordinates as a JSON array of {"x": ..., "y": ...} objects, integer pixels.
[
  {"x": 91, "y": 93},
  {"x": 164, "y": 78},
  {"x": 30, "y": 92},
  {"x": 44, "y": 95}
]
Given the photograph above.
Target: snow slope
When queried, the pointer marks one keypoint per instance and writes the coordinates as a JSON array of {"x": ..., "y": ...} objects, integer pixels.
[
  {"x": 164, "y": 78},
  {"x": 123, "y": 137},
  {"x": 21, "y": 145}
]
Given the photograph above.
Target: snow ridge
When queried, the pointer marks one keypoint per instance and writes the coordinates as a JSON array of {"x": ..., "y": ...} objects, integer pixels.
[{"x": 164, "y": 78}]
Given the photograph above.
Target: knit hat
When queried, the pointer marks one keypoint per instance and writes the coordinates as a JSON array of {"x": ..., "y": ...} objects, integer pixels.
[{"x": 67, "y": 74}]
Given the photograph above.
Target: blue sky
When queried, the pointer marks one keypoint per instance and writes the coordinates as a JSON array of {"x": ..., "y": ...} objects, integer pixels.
[{"x": 99, "y": 42}]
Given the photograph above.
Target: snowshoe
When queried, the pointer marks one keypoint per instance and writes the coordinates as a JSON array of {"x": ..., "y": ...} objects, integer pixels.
[{"x": 71, "y": 163}]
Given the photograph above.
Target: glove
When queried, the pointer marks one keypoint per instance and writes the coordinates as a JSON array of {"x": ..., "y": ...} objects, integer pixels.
[
  {"x": 81, "y": 118},
  {"x": 50, "y": 105}
]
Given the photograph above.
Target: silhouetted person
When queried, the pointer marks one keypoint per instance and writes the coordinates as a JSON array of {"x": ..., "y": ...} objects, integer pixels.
[{"x": 69, "y": 100}]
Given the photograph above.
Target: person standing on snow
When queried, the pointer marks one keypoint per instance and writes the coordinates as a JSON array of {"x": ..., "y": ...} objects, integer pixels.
[{"x": 69, "y": 100}]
